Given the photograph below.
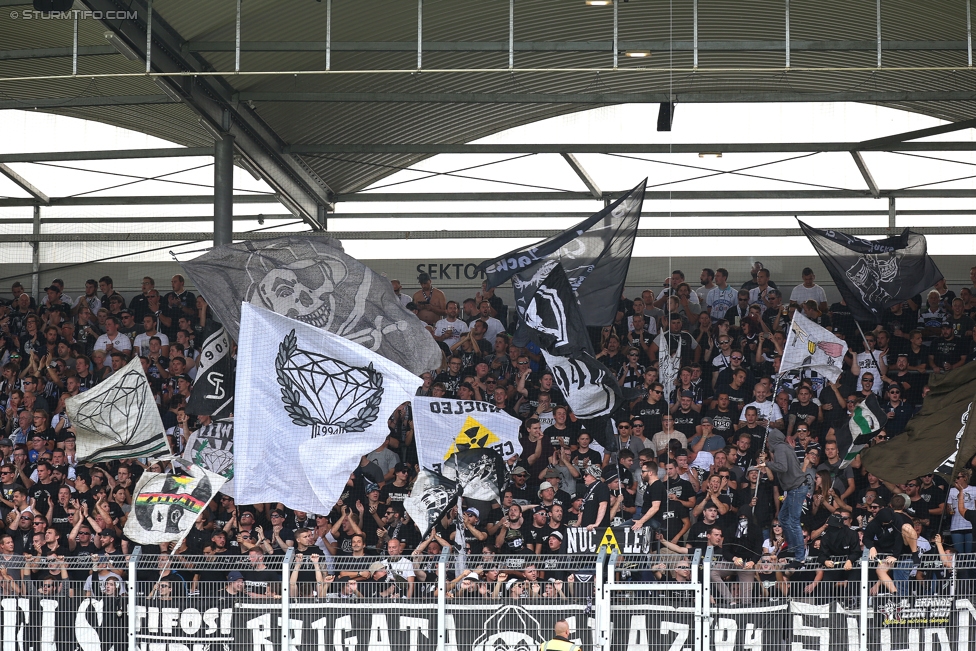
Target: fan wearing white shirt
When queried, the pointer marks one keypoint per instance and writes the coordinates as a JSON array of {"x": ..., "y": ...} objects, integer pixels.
[
  {"x": 809, "y": 290},
  {"x": 769, "y": 412}
]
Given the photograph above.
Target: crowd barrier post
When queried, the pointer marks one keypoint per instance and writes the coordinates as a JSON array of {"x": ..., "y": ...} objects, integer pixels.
[
  {"x": 863, "y": 607},
  {"x": 602, "y": 604},
  {"x": 612, "y": 567},
  {"x": 706, "y": 592},
  {"x": 442, "y": 598},
  {"x": 131, "y": 597},
  {"x": 606, "y": 598},
  {"x": 695, "y": 577},
  {"x": 286, "y": 599}
]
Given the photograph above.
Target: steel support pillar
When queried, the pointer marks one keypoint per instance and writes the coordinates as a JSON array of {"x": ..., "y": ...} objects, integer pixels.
[
  {"x": 36, "y": 255},
  {"x": 223, "y": 189}
]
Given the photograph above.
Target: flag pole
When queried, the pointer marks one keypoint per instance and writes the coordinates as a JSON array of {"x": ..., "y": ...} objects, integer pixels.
[{"x": 868, "y": 348}]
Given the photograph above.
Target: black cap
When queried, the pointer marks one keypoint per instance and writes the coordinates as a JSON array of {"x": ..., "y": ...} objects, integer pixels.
[{"x": 423, "y": 277}]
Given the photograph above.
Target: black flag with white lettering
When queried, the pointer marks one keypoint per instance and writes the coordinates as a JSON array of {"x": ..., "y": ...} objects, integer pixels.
[
  {"x": 213, "y": 390},
  {"x": 595, "y": 255},
  {"x": 591, "y": 390},
  {"x": 873, "y": 275},
  {"x": 549, "y": 313}
]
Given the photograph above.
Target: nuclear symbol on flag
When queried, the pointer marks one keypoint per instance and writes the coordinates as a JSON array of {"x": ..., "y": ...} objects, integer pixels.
[
  {"x": 473, "y": 435},
  {"x": 610, "y": 542}
]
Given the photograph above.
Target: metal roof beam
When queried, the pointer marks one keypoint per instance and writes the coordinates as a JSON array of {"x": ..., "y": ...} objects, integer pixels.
[
  {"x": 174, "y": 200},
  {"x": 650, "y": 214},
  {"x": 617, "y": 148},
  {"x": 56, "y": 52},
  {"x": 83, "y": 102},
  {"x": 896, "y": 139},
  {"x": 614, "y": 98},
  {"x": 862, "y": 167},
  {"x": 657, "y": 195},
  {"x": 548, "y": 148},
  {"x": 583, "y": 175},
  {"x": 574, "y": 46},
  {"x": 211, "y": 98},
  {"x": 441, "y": 235},
  {"x": 108, "y": 154},
  {"x": 879, "y": 97},
  {"x": 643, "y": 232},
  {"x": 24, "y": 184}
]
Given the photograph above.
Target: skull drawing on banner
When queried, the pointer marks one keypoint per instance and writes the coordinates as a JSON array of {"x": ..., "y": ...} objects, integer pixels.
[
  {"x": 303, "y": 290},
  {"x": 310, "y": 282},
  {"x": 512, "y": 628}
]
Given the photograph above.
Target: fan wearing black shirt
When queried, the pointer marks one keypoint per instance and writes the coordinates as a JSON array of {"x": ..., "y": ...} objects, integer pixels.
[
  {"x": 596, "y": 499},
  {"x": 398, "y": 490},
  {"x": 686, "y": 417},
  {"x": 737, "y": 387},
  {"x": 724, "y": 419},
  {"x": 652, "y": 408},
  {"x": 804, "y": 411},
  {"x": 947, "y": 352},
  {"x": 675, "y": 510}
]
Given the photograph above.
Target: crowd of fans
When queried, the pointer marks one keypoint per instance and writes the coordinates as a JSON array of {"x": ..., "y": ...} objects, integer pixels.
[{"x": 708, "y": 458}]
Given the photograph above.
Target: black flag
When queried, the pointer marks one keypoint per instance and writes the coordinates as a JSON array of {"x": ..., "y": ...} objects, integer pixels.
[
  {"x": 431, "y": 497},
  {"x": 873, "y": 275},
  {"x": 549, "y": 313},
  {"x": 595, "y": 255},
  {"x": 213, "y": 390},
  {"x": 936, "y": 436},
  {"x": 591, "y": 391},
  {"x": 480, "y": 473}
]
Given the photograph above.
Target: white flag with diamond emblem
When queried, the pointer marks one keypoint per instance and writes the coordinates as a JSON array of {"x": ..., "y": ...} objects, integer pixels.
[
  {"x": 310, "y": 404},
  {"x": 117, "y": 419}
]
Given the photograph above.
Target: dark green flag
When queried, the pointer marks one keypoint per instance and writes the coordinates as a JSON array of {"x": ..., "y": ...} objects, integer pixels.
[{"x": 938, "y": 438}]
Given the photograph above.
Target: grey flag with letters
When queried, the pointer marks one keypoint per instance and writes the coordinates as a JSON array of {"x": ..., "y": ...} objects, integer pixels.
[{"x": 310, "y": 279}]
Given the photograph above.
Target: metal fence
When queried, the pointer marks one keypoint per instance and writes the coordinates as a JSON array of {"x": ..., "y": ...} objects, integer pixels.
[{"x": 617, "y": 602}]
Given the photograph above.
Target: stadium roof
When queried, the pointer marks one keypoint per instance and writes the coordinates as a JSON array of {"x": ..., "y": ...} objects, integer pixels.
[{"x": 325, "y": 98}]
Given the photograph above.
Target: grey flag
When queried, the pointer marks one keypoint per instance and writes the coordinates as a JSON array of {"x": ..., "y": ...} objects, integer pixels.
[
  {"x": 311, "y": 279},
  {"x": 595, "y": 255}
]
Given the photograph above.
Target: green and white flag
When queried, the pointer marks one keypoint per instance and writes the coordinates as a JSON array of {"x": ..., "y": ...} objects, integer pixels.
[{"x": 865, "y": 422}]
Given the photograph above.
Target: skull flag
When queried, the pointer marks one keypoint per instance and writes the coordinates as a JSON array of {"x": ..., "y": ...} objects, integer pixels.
[
  {"x": 310, "y": 404},
  {"x": 873, "y": 275},
  {"x": 213, "y": 391},
  {"x": 311, "y": 279},
  {"x": 594, "y": 253},
  {"x": 164, "y": 507},
  {"x": 118, "y": 418}
]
